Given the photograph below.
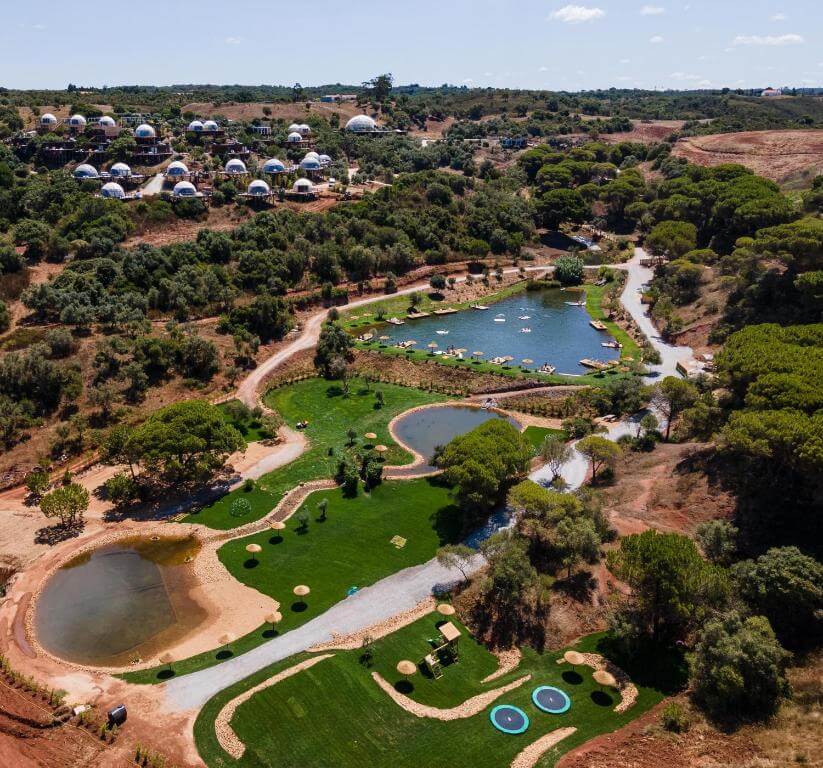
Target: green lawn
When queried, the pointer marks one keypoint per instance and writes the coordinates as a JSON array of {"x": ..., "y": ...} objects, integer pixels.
[
  {"x": 358, "y": 320},
  {"x": 594, "y": 306},
  {"x": 536, "y": 435},
  {"x": 334, "y": 713},
  {"x": 351, "y": 548},
  {"x": 330, "y": 414}
]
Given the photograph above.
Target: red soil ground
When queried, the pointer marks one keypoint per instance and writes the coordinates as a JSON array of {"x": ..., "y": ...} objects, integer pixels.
[{"x": 791, "y": 158}]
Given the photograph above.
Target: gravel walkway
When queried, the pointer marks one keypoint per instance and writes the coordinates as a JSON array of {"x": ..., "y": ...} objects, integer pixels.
[{"x": 371, "y": 605}]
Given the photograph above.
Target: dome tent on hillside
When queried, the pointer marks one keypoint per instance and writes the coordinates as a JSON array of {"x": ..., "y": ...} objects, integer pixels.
[
  {"x": 144, "y": 131},
  {"x": 113, "y": 191},
  {"x": 184, "y": 189},
  {"x": 85, "y": 171},
  {"x": 273, "y": 165},
  {"x": 361, "y": 124},
  {"x": 120, "y": 170}
]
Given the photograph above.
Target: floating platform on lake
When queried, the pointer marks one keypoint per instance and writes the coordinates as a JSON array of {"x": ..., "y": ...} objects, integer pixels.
[
  {"x": 598, "y": 365},
  {"x": 479, "y": 306},
  {"x": 546, "y": 368},
  {"x": 415, "y": 315},
  {"x": 597, "y": 325},
  {"x": 446, "y": 311},
  {"x": 395, "y": 321},
  {"x": 365, "y": 337}
]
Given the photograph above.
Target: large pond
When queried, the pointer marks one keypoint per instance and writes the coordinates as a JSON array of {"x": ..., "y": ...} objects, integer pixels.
[
  {"x": 120, "y": 602},
  {"x": 426, "y": 428},
  {"x": 559, "y": 334}
]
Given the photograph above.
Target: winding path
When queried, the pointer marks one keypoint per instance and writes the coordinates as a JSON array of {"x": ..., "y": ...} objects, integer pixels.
[{"x": 401, "y": 591}]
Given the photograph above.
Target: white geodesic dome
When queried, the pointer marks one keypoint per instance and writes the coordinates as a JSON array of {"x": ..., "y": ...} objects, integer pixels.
[
  {"x": 48, "y": 119},
  {"x": 177, "y": 168},
  {"x": 310, "y": 164},
  {"x": 235, "y": 165},
  {"x": 294, "y": 137},
  {"x": 113, "y": 191},
  {"x": 77, "y": 121},
  {"x": 184, "y": 189},
  {"x": 106, "y": 122},
  {"x": 145, "y": 131},
  {"x": 294, "y": 128},
  {"x": 361, "y": 124},
  {"x": 196, "y": 126},
  {"x": 304, "y": 129},
  {"x": 85, "y": 171},
  {"x": 120, "y": 170},
  {"x": 259, "y": 188},
  {"x": 303, "y": 186},
  {"x": 273, "y": 165},
  {"x": 210, "y": 126}
]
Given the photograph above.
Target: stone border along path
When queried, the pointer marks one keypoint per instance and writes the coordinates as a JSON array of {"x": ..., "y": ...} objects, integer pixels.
[
  {"x": 225, "y": 734},
  {"x": 469, "y": 708},
  {"x": 530, "y": 756},
  {"x": 388, "y": 597},
  {"x": 626, "y": 688},
  {"x": 508, "y": 660}
]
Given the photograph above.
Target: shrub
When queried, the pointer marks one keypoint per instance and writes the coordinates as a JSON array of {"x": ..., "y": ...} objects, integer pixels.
[{"x": 674, "y": 718}]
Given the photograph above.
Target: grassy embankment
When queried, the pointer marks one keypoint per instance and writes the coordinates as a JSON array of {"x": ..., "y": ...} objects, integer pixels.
[
  {"x": 335, "y": 714},
  {"x": 351, "y": 547},
  {"x": 330, "y": 414}
]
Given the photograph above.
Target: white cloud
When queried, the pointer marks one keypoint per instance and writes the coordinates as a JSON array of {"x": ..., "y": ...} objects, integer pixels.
[
  {"x": 468, "y": 80},
  {"x": 789, "y": 39},
  {"x": 685, "y": 76},
  {"x": 575, "y": 14},
  {"x": 652, "y": 10},
  {"x": 656, "y": 39},
  {"x": 233, "y": 40},
  {"x": 779, "y": 17}
]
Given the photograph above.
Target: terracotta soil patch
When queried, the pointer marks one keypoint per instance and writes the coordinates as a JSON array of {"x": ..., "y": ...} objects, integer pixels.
[
  {"x": 649, "y": 132},
  {"x": 28, "y": 739},
  {"x": 667, "y": 489},
  {"x": 787, "y": 157}
]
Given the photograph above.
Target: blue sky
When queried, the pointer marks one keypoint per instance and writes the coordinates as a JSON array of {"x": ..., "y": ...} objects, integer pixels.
[{"x": 525, "y": 44}]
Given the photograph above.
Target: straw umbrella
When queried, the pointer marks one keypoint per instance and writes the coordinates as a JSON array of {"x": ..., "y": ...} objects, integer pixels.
[
  {"x": 278, "y": 525},
  {"x": 432, "y": 345},
  {"x": 380, "y": 448},
  {"x": 168, "y": 660},
  {"x": 301, "y": 590},
  {"x": 444, "y": 609},
  {"x": 604, "y": 679},
  {"x": 370, "y": 436},
  {"x": 254, "y": 550},
  {"x": 574, "y": 658},
  {"x": 477, "y": 353},
  {"x": 274, "y": 618},
  {"x": 406, "y": 667},
  {"x": 527, "y": 361}
]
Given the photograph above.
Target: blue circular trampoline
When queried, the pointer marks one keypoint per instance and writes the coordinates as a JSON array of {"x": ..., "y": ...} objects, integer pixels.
[
  {"x": 551, "y": 700},
  {"x": 509, "y": 719}
]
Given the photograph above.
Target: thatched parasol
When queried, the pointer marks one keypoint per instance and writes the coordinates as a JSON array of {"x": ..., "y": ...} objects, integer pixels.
[
  {"x": 254, "y": 550},
  {"x": 301, "y": 590},
  {"x": 478, "y": 354},
  {"x": 601, "y": 677},
  {"x": 274, "y": 618},
  {"x": 278, "y": 525},
  {"x": 527, "y": 361},
  {"x": 432, "y": 345},
  {"x": 406, "y": 667},
  {"x": 574, "y": 658},
  {"x": 380, "y": 448},
  {"x": 444, "y": 609},
  {"x": 226, "y": 639},
  {"x": 370, "y": 436},
  {"x": 167, "y": 659}
]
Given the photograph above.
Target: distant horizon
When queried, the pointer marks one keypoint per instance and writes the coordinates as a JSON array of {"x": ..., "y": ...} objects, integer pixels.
[{"x": 550, "y": 45}]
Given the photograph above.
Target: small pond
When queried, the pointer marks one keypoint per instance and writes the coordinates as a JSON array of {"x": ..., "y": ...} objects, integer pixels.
[
  {"x": 424, "y": 429},
  {"x": 121, "y": 601},
  {"x": 534, "y": 325}
]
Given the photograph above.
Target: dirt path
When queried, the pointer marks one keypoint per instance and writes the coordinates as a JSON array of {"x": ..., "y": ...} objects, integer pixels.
[
  {"x": 531, "y": 755},
  {"x": 468, "y": 708}
]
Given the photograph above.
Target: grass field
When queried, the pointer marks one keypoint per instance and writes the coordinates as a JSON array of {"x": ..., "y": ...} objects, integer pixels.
[
  {"x": 335, "y": 714},
  {"x": 350, "y": 548},
  {"x": 536, "y": 435},
  {"x": 330, "y": 414},
  {"x": 594, "y": 306}
]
